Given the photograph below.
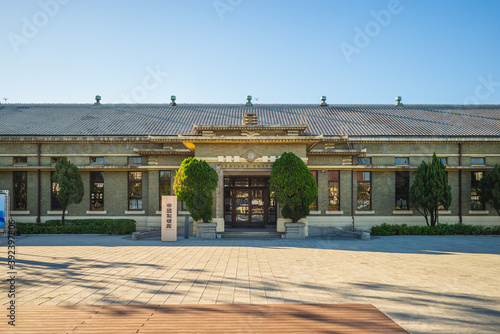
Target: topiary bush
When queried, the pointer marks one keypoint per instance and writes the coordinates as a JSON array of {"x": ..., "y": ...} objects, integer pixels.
[
  {"x": 294, "y": 186},
  {"x": 194, "y": 183},
  {"x": 79, "y": 226}
]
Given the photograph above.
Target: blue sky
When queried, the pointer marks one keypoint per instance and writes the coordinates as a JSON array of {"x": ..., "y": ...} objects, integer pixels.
[{"x": 219, "y": 51}]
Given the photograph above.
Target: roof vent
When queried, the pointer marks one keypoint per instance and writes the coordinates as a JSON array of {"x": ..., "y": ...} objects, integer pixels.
[
  {"x": 398, "y": 102},
  {"x": 250, "y": 119},
  {"x": 249, "y": 101},
  {"x": 173, "y": 98},
  {"x": 323, "y": 101},
  {"x": 97, "y": 100}
]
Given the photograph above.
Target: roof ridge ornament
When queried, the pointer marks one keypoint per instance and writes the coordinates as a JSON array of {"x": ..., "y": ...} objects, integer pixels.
[
  {"x": 249, "y": 101},
  {"x": 398, "y": 102},
  {"x": 323, "y": 101},
  {"x": 97, "y": 101},
  {"x": 173, "y": 98}
]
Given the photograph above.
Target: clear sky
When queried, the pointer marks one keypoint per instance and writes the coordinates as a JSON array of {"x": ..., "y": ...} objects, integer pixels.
[{"x": 220, "y": 51}]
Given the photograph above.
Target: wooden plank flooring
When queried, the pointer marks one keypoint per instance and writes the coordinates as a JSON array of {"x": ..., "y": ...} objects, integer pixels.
[{"x": 203, "y": 319}]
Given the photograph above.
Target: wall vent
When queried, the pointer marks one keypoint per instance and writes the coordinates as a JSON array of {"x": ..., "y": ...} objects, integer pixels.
[{"x": 250, "y": 119}]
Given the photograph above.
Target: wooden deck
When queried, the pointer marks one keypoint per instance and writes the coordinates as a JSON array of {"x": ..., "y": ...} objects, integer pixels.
[{"x": 203, "y": 319}]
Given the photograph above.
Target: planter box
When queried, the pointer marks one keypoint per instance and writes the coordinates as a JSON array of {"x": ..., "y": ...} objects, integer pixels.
[
  {"x": 295, "y": 230},
  {"x": 206, "y": 230}
]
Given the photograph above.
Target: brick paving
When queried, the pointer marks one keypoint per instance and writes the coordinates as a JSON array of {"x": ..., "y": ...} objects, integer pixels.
[{"x": 425, "y": 283}]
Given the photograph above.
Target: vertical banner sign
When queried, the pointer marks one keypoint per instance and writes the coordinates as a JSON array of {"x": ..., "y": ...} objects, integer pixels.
[
  {"x": 169, "y": 218},
  {"x": 4, "y": 208}
]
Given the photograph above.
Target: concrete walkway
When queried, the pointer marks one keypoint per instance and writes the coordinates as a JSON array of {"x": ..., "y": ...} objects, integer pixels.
[{"x": 425, "y": 284}]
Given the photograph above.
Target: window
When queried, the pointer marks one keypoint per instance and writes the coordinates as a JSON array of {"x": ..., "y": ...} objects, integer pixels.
[
  {"x": 364, "y": 191},
  {"x": 20, "y": 160},
  {"x": 54, "y": 202},
  {"x": 402, "y": 190},
  {"x": 96, "y": 191},
  {"x": 20, "y": 191},
  {"x": 475, "y": 203},
  {"x": 477, "y": 160},
  {"x": 364, "y": 161},
  {"x": 334, "y": 190},
  {"x": 314, "y": 206},
  {"x": 54, "y": 160},
  {"x": 96, "y": 160},
  {"x": 135, "y": 190},
  {"x": 444, "y": 160},
  {"x": 165, "y": 184},
  {"x": 402, "y": 160},
  {"x": 134, "y": 160}
]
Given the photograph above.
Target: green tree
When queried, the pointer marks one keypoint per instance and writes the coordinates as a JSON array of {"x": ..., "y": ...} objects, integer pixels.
[
  {"x": 69, "y": 184},
  {"x": 430, "y": 190},
  {"x": 489, "y": 188},
  {"x": 293, "y": 185},
  {"x": 194, "y": 183}
]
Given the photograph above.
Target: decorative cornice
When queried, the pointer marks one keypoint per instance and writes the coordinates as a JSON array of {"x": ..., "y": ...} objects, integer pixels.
[
  {"x": 236, "y": 139},
  {"x": 224, "y": 128},
  {"x": 422, "y": 139},
  {"x": 75, "y": 139},
  {"x": 337, "y": 152},
  {"x": 162, "y": 151}
]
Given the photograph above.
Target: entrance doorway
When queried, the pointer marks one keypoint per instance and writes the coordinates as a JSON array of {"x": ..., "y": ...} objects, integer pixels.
[{"x": 247, "y": 202}]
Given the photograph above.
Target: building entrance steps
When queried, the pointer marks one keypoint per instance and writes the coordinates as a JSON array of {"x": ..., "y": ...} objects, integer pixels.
[{"x": 252, "y": 233}]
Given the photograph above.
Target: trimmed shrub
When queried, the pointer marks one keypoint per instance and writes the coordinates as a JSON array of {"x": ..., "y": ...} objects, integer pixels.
[
  {"x": 293, "y": 185},
  {"x": 440, "y": 229},
  {"x": 194, "y": 183},
  {"x": 79, "y": 226}
]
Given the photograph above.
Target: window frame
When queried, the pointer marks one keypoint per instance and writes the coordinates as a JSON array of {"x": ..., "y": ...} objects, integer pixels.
[
  {"x": 477, "y": 163},
  {"x": 19, "y": 163},
  {"x": 445, "y": 162},
  {"x": 162, "y": 181},
  {"x": 314, "y": 206},
  {"x": 369, "y": 182},
  {"x": 399, "y": 194},
  {"x": 96, "y": 163},
  {"x": 330, "y": 182},
  {"x": 132, "y": 163},
  {"x": 138, "y": 199},
  {"x": 55, "y": 205},
  {"x": 364, "y": 160},
  {"x": 18, "y": 182},
  {"x": 92, "y": 182},
  {"x": 402, "y": 163},
  {"x": 473, "y": 189}
]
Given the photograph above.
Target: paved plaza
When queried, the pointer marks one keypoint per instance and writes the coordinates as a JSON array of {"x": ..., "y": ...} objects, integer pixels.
[{"x": 426, "y": 284}]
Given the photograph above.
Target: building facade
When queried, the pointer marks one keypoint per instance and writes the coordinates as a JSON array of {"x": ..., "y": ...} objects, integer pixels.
[{"x": 364, "y": 158}]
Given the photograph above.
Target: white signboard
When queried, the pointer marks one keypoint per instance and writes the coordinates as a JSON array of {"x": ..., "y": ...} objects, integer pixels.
[
  {"x": 4, "y": 210},
  {"x": 169, "y": 218}
]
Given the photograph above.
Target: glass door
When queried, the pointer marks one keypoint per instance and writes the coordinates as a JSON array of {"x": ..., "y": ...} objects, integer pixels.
[{"x": 247, "y": 203}]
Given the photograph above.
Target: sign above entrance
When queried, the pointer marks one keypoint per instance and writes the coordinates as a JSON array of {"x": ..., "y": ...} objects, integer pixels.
[{"x": 246, "y": 166}]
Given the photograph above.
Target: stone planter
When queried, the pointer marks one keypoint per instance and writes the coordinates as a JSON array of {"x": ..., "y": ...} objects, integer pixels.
[
  {"x": 206, "y": 230},
  {"x": 295, "y": 230}
]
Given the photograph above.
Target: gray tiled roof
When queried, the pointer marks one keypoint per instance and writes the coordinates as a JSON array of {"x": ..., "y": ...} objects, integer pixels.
[{"x": 164, "y": 120}]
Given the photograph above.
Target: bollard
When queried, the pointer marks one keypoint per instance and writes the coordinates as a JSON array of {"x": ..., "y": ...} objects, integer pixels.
[{"x": 186, "y": 227}]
